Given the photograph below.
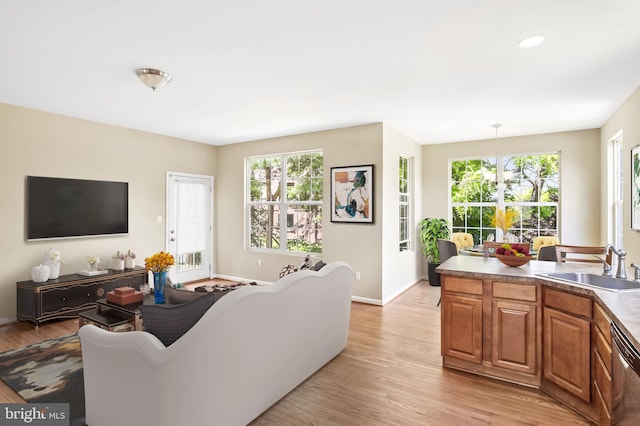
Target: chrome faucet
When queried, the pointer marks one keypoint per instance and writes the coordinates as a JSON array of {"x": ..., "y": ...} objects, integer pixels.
[
  {"x": 622, "y": 270},
  {"x": 606, "y": 268},
  {"x": 636, "y": 272}
]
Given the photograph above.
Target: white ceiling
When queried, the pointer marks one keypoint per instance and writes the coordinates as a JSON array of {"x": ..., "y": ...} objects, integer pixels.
[{"x": 438, "y": 71}]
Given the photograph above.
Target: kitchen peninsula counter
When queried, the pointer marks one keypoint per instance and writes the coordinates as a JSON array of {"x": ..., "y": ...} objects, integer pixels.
[
  {"x": 512, "y": 324},
  {"x": 623, "y": 307}
]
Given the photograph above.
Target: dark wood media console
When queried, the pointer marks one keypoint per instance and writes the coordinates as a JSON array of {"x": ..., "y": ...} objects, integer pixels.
[{"x": 68, "y": 295}]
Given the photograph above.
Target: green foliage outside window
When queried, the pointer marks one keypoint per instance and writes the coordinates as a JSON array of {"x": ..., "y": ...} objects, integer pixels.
[
  {"x": 286, "y": 202},
  {"x": 529, "y": 184}
]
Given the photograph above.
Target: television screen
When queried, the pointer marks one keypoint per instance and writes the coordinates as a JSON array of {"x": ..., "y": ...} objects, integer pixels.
[{"x": 67, "y": 208}]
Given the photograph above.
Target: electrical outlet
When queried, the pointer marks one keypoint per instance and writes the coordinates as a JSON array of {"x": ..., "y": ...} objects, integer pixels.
[
  {"x": 259, "y": 263},
  {"x": 357, "y": 275},
  {"x": 159, "y": 219}
]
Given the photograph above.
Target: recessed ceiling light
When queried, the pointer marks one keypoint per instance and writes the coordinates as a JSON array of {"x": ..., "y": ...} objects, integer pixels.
[{"x": 531, "y": 41}]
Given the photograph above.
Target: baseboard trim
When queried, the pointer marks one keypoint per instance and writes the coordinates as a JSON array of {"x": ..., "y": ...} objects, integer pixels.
[
  {"x": 8, "y": 320},
  {"x": 400, "y": 291},
  {"x": 242, "y": 280},
  {"x": 366, "y": 300}
]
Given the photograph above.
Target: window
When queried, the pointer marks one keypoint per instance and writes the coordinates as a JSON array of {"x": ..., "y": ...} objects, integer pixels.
[
  {"x": 405, "y": 204},
  {"x": 616, "y": 190},
  {"x": 528, "y": 184},
  {"x": 284, "y": 202}
]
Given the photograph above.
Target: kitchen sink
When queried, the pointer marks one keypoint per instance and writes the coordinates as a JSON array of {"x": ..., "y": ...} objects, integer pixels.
[{"x": 594, "y": 280}]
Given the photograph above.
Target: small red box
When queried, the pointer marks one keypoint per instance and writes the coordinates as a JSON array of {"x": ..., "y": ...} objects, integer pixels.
[
  {"x": 124, "y": 299},
  {"x": 124, "y": 290}
]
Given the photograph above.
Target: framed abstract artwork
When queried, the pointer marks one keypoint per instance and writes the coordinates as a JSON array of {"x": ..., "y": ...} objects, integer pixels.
[
  {"x": 352, "y": 194},
  {"x": 635, "y": 188}
]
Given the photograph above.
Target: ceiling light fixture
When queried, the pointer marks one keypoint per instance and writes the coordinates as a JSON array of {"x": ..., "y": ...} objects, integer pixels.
[
  {"x": 153, "y": 78},
  {"x": 531, "y": 41}
]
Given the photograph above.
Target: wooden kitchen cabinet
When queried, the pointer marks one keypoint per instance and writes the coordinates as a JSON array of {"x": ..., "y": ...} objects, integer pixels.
[
  {"x": 515, "y": 336},
  {"x": 462, "y": 319},
  {"x": 567, "y": 345},
  {"x": 602, "y": 365},
  {"x": 492, "y": 328},
  {"x": 534, "y": 332}
]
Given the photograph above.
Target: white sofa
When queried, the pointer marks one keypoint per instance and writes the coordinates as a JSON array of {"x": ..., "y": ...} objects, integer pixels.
[{"x": 247, "y": 351}]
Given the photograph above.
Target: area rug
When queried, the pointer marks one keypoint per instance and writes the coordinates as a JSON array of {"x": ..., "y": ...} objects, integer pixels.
[{"x": 49, "y": 371}]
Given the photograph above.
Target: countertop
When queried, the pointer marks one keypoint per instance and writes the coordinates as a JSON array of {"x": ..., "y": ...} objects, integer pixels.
[{"x": 623, "y": 308}]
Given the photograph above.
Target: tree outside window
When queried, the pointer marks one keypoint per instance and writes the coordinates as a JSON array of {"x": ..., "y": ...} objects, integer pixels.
[
  {"x": 528, "y": 184},
  {"x": 285, "y": 203}
]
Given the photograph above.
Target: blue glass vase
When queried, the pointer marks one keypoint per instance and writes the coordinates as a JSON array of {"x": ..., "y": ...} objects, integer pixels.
[{"x": 159, "y": 280}]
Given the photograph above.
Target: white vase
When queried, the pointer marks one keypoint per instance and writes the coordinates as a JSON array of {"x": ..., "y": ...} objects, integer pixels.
[
  {"x": 130, "y": 260},
  {"x": 52, "y": 259},
  {"x": 40, "y": 273},
  {"x": 54, "y": 269},
  {"x": 117, "y": 263}
]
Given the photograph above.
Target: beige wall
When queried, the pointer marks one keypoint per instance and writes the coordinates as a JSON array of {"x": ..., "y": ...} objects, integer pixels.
[
  {"x": 43, "y": 144},
  {"x": 399, "y": 269},
  {"x": 627, "y": 120},
  {"x": 579, "y": 175},
  {"x": 38, "y": 143},
  {"x": 359, "y": 245}
]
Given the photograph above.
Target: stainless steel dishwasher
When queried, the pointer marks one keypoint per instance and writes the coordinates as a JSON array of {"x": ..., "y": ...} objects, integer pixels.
[{"x": 626, "y": 380}]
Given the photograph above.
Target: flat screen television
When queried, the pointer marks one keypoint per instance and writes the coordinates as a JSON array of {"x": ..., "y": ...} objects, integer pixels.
[{"x": 72, "y": 208}]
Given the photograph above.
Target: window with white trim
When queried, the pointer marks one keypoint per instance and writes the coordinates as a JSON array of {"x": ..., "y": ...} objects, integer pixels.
[
  {"x": 617, "y": 195},
  {"x": 528, "y": 184},
  {"x": 405, "y": 203},
  {"x": 284, "y": 202}
]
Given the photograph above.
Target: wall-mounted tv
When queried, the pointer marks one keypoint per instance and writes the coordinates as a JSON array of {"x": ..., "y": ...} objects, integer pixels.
[{"x": 71, "y": 208}]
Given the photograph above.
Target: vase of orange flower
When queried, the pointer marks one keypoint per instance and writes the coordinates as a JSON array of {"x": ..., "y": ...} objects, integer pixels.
[
  {"x": 504, "y": 220},
  {"x": 159, "y": 263}
]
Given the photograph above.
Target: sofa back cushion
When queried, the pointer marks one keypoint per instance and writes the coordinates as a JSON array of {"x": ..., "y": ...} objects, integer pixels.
[
  {"x": 175, "y": 296},
  {"x": 169, "y": 322}
]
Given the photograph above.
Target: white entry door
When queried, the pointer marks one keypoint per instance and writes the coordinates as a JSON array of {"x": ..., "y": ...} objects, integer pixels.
[{"x": 190, "y": 226}]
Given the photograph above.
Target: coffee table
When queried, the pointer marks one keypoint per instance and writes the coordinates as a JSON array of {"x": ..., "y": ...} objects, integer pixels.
[
  {"x": 110, "y": 315},
  {"x": 130, "y": 312},
  {"x": 104, "y": 320}
]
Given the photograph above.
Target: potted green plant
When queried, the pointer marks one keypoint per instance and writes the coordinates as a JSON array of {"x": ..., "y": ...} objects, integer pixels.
[{"x": 430, "y": 230}]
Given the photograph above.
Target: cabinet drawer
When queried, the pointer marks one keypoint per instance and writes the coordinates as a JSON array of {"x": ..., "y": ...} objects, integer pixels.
[
  {"x": 602, "y": 322},
  {"x": 602, "y": 379},
  {"x": 515, "y": 291},
  {"x": 601, "y": 407},
  {"x": 65, "y": 298},
  {"x": 566, "y": 302},
  {"x": 462, "y": 285},
  {"x": 603, "y": 348}
]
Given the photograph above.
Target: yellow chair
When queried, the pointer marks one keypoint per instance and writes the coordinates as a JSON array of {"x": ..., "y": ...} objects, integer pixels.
[
  {"x": 547, "y": 240},
  {"x": 462, "y": 239}
]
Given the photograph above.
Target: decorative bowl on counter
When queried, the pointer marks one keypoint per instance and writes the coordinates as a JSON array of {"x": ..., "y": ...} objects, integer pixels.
[{"x": 513, "y": 260}]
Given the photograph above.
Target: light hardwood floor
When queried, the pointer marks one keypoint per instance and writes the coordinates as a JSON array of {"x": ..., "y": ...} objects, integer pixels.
[{"x": 390, "y": 374}]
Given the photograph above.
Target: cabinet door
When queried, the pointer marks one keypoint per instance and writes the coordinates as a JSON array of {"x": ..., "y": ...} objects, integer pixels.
[
  {"x": 462, "y": 327},
  {"x": 567, "y": 352},
  {"x": 61, "y": 299},
  {"x": 514, "y": 336}
]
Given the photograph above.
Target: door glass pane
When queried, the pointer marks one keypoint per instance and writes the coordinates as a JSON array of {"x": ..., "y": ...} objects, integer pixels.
[{"x": 191, "y": 200}]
